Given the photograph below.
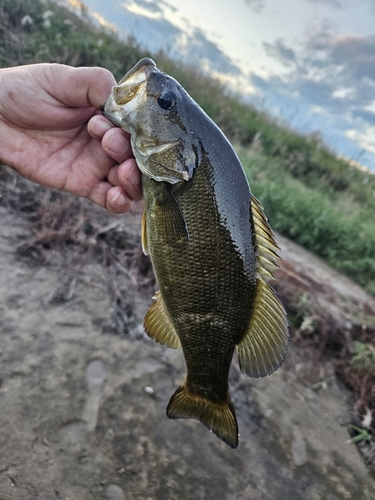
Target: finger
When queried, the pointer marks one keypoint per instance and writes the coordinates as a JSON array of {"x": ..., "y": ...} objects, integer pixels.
[
  {"x": 97, "y": 126},
  {"x": 128, "y": 176},
  {"x": 116, "y": 144},
  {"x": 117, "y": 200},
  {"x": 112, "y": 198},
  {"x": 78, "y": 87}
]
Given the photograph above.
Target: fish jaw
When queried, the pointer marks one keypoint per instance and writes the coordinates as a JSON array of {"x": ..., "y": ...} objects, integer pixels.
[
  {"x": 127, "y": 102},
  {"x": 129, "y": 95}
]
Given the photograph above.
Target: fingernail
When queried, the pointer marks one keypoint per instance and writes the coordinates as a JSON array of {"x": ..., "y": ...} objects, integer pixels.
[
  {"x": 118, "y": 144},
  {"x": 119, "y": 199},
  {"x": 133, "y": 176},
  {"x": 103, "y": 127}
]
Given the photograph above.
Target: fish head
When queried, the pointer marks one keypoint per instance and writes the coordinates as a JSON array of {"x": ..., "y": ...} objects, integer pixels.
[{"x": 154, "y": 108}]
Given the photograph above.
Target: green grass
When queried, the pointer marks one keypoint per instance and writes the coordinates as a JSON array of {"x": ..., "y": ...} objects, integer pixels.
[
  {"x": 310, "y": 195},
  {"x": 69, "y": 39},
  {"x": 363, "y": 357},
  {"x": 332, "y": 224}
]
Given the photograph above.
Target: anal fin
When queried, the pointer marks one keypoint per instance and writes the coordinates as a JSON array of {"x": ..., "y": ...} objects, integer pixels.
[
  {"x": 158, "y": 325},
  {"x": 264, "y": 346},
  {"x": 218, "y": 416}
]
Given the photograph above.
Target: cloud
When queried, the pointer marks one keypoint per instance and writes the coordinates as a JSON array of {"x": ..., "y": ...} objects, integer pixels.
[
  {"x": 146, "y": 20},
  {"x": 366, "y": 116},
  {"x": 365, "y": 138},
  {"x": 152, "y": 32},
  {"x": 356, "y": 55},
  {"x": 330, "y": 72},
  {"x": 328, "y": 81},
  {"x": 280, "y": 51},
  {"x": 150, "y": 6},
  {"x": 330, "y": 3},
  {"x": 256, "y": 5},
  {"x": 372, "y": 5},
  {"x": 196, "y": 46}
]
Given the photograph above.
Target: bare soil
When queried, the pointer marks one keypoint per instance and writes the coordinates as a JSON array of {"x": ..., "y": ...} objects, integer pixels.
[{"x": 83, "y": 391}]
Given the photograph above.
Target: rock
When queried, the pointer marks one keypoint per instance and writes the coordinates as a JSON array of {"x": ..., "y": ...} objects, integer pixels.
[{"x": 114, "y": 492}]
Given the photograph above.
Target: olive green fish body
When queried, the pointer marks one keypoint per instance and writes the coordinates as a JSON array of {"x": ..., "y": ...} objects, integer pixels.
[
  {"x": 210, "y": 244},
  {"x": 207, "y": 286}
]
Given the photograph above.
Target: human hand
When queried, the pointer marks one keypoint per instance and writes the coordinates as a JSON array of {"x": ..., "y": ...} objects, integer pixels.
[{"x": 50, "y": 133}]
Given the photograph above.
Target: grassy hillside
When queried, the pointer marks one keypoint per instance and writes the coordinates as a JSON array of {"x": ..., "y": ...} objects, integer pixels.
[{"x": 310, "y": 195}]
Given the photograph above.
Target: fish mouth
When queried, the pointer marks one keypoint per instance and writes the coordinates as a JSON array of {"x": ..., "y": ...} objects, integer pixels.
[{"x": 129, "y": 94}]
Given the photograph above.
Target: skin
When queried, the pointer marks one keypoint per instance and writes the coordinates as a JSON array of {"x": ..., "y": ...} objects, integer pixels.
[{"x": 53, "y": 133}]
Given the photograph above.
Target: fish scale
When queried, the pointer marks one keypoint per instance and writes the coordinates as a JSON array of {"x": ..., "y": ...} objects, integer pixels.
[{"x": 210, "y": 244}]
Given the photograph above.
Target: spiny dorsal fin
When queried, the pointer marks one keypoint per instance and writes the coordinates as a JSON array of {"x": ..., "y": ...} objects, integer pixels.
[
  {"x": 265, "y": 244},
  {"x": 265, "y": 344},
  {"x": 158, "y": 325},
  {"x": 144, "y": 234},
  {"x": 218, "y": 416}
]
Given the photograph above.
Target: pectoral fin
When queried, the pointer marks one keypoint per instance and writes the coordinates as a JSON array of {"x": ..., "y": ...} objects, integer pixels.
[
  {"x": 158, "y": 325},
  {"x": 264, "y": 346},
  {"x": 171, "y": 222}
]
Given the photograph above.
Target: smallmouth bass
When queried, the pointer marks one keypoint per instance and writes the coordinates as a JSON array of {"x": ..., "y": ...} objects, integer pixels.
[{"x": 211, "y": 247}]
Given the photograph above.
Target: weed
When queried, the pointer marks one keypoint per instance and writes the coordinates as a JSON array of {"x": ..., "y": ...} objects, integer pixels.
[
  {"x": 311, "y": 196},
  {"x": 363, "y": 357},
  {"x": 333, "y": 225},
  {"x": 361, "y": 436}
]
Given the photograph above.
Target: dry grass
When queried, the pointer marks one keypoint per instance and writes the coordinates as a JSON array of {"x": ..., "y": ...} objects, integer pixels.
[
  {"x": 349, "y": 349},
  {"x": 66, "y": 231}
]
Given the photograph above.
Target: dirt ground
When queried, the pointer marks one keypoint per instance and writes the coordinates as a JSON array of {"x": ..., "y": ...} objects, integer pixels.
[{"x": 82, "y": 402}]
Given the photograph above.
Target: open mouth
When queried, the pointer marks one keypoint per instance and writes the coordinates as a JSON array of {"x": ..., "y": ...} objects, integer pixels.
[
  {"x": 129, "y": 94},
  {"x": 128, "y": 86}
]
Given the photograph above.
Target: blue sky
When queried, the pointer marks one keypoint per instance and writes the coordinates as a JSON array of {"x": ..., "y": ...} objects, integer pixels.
[{"x": 311, "y": 63}]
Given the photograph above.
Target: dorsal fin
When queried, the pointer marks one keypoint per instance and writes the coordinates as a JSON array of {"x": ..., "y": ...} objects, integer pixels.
[
  {"x": 265, "y": 244},
  {"x": 158, "y": 325},
  {"x": 264, "y": 345}
]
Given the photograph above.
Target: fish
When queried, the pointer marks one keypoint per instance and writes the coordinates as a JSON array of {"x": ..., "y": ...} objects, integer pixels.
[{"x": 211, "y": 247}]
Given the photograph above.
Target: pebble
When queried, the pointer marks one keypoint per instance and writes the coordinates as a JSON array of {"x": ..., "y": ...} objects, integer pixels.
[{"x": 114, "y": 492}]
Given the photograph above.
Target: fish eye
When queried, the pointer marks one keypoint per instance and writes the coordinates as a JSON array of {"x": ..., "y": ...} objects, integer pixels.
[{"x": 166, "y": 100}]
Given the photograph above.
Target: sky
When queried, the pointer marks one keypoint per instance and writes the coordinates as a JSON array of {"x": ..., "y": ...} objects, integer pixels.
[{"x": 309, "y": 63}]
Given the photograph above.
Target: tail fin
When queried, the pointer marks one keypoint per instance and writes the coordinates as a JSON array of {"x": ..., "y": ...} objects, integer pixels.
[{"x": 219, "y": 416}]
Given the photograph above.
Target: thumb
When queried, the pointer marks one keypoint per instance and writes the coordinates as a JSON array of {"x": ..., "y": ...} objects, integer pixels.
[{"x": 84, "y": 87}]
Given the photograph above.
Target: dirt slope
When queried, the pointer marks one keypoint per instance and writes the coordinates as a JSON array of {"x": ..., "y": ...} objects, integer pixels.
[{"x": 82, "y": 408}]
